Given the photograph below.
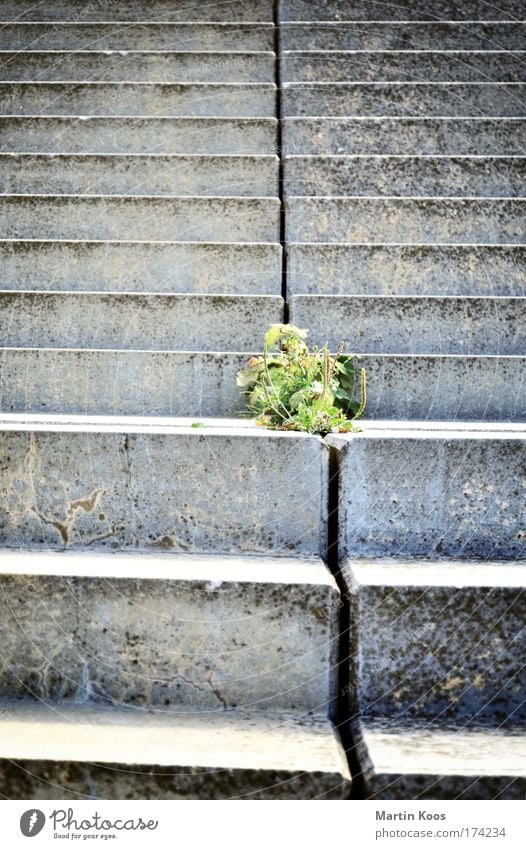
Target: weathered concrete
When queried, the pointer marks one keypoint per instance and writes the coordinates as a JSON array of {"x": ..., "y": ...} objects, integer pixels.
[
  {"x": 420, "y": 325},
  {"x": 404, "y": 99},
  {"x": 385, "y": 35},
  {"x": 127, "y": 383},
  {"x": 180, "y": 633},
  {"x": 483, "y": 176},
  {"x": 440, "y": 641},
  {"x": 248, "y": 176},
  {"x": 222, "y": 100},
  {"x": 187, "y": 219},
  {"x": 150, "y": 484},
  {"x": 462, "y": 495},
  {"x": 395, "y": 135},
  {"x": 409, "y": 10},
  {"x": 126, "y": 320},
  {"x": 77, "y": 11},
  {"x": 51, "y": 753},
  {"x": 416, "y": 761},
  {"x": 461, "y": 270},
  {"x": 420, "y": 220},
  {"x": 151, "y": 35},
  {"x": 141, "y": 267},
  {"x": 94, "y": 65},
  {"x": 399, "y": 66},
  {"x": 441, "y": 388},
  {"x": 248, "y": 136}
]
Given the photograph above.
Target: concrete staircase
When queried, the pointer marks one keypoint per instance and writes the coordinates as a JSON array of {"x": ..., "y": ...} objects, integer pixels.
[
  {"x": 170, "y": 628},
  {"x": 403, "y": 138}
]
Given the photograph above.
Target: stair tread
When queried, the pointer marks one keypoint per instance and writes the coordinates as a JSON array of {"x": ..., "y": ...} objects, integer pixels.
[{"x": 419, "y": 572}]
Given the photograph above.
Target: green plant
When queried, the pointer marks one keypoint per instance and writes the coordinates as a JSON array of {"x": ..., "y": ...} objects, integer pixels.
[{"x": 292, "y": 388}]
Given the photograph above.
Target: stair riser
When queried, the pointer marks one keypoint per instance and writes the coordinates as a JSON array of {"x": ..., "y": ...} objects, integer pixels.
[
  {"x": 106, "y": 218},
  {"x": 177, "y": 645},
  {"x": 412, "y": 67},
  {"x": 404, "y": 99},
  {"x": 250, "y": 11},
  {"x": 441, "y": 654},
  {"x": 375, "y": 10},
  {"x": 382, "y": 35},
  {"x": 371, "y": 176},
  {"x": 458, "y": 497},
  {"x": 142, "y": 267},
  {"x": 136, "y": 99},
  {"x": 431, "y": 136},
  {"x": 169, "y": 323},
  {"x": 405, "y": 270},
  {"x": 191, "y": 67},
  {"x": 196, "y": 493},
  {"x": 239, "y": 176},
  {"x": 146, "y": 36},
  {"x": 414, "y": 326},
  {"x": 139, "y": 135},
  {"x": 135, "y": 383},
  {"x": 422, "y": 221}
]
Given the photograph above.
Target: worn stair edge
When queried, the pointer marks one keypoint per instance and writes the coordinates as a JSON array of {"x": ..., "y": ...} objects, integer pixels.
[
  {"x": 182, "y": 267},
  {"x": 421, "y": 761},
  {"x": 152, "y": 35},
  {"x": 176, "y": 632},
  {"x": 145, "y": 481},
  {"x": 128, "y": 320},
  {"x": 459, "y": 497},
  {"x": 139, "y": 174},
  {"x": 404, "y": 269},
  {"x": 383, "y": 324},
  {"x": 394, "y": 135},
  {"x": 441, "y": 641}
]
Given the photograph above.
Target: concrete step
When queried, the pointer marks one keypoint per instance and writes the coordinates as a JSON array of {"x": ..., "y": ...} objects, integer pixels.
[
  {"x": 461, "y": 496},
  {"x": 438, "y": 641},
  {"x": 193, "y": 100},
  {"x": 151, "y": 174},
  {"x": 424, "y": 136},
  {"x": 483, "y": 176},
  {"x": 180, "y": 633},
  {"x": 153, "y": 35},
  {"x": 181, "y": 267},
  {"x": 404, "y": 99},
  {"x": 397, "y": 66},
  {"x": 434, "y": 388},
  {"x": 161, "y": 11},
  {"x": 410, "y": 10},
  {"x": 208, "y": 136},
  {"x": 55, "y": 751},
  {"x": 131, "y": 383},
  {"x": 197, "y": 267},
  {"x": 137, "y": 66},
  {"x": 186, "y": 219},
  {"x": 408, "y": 270},
  {"x": 152, "y": 484},
  {"x": 406, "y": 220},
  {"x": 124, "y": 320},
  {"x": 162, "y": 383},
  {"x": 387, "y": 35},
  {"x": 418, "y": 325},
  {"x": 416, "y": 761}
]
